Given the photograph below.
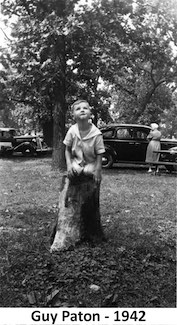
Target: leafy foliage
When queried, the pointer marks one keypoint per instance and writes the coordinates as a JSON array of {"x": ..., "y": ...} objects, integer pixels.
[
  {"x": 114, "y": 53},
  {"x": 150, "y": 61}
]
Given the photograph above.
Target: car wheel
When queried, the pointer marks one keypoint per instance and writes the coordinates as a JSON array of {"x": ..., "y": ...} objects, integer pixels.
[
  {"x": 107, "y": 160},
  {"x": 28, "y": 152}
]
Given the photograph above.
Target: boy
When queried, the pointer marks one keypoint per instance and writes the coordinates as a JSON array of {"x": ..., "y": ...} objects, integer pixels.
[{"x": 84, "y": 144}]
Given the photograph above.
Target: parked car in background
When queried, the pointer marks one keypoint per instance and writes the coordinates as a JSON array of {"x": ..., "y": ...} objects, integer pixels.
[
  {"x": 6, "y": 136},
  {"x": 127, "y": 143},
  {"x": 30, "y": 145}
]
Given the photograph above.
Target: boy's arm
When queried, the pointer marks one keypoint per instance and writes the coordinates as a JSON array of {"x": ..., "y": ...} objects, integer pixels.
[
  {"x": 68, "y": 161},
  {"x": 99, "y": 149},
  {"x": 98, "y": 168}
]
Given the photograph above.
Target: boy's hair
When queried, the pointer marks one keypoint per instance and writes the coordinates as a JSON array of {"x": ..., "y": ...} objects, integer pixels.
[{"x": 78, "y": 102}]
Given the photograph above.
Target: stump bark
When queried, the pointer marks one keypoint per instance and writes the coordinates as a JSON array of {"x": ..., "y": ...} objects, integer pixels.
[{"x": 79, "y": 213}]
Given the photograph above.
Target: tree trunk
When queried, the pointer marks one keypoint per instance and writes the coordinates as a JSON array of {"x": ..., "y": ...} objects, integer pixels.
[
  {"x": 58, "y": 157},
  {"x": 79, "y": 213},
  {"x": 47, "y": 127},
  {"x": 59, "y": 114}
]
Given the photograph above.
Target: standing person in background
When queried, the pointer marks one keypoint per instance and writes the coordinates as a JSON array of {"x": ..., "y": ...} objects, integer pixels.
[{"x": 154, "y": 145}]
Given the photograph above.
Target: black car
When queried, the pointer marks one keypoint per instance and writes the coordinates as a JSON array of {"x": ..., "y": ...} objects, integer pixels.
[
  {"x": 127, "y": 143},
  {"x": 11, "y": 143}
]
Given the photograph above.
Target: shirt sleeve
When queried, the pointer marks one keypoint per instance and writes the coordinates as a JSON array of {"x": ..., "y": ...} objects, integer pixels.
[
  {"x": 68, "y": 140},
  {"x": 99, "y": 145},
  {"x": 150, "y": 135}
]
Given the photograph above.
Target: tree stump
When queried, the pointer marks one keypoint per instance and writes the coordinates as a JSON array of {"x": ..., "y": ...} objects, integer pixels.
[{"x": 79, "y": 213}]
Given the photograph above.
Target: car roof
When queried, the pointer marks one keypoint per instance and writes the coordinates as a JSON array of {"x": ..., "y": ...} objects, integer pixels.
[
  {"x": 7, "y": 129},
  {"x": 26, "y": 136},
  {"x": 125, "y": 125}
]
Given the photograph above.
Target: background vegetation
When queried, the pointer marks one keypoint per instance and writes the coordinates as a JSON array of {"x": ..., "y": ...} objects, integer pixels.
[{"x": 119, "y": 55}]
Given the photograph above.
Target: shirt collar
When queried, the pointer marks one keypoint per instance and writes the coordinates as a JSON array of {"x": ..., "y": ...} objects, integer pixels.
[{"x": 93, "y": 132}]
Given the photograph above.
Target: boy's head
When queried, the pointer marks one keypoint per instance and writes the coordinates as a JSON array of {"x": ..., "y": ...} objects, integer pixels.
[
  {"x": 81, "y": 109},
  {"x": 77, "y": 102}
]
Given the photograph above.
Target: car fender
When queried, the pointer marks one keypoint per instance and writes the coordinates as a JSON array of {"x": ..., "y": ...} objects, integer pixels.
[
  {"x": 173, "y": 159},
  {"x": 173, "y": 154},
  {"x": 24, "y": 145},
  {"x": 110, "y": 150},
  {"x": 173, "y": 150}
]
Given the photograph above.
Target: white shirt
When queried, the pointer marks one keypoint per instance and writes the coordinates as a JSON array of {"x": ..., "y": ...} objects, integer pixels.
[{"x": 84, "y": 150}]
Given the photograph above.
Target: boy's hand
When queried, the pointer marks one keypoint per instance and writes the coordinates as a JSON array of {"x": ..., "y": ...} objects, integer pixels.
[
  {"x": 70, "y": 171},
  {"x": 97, "y": 176},
  {"x": 74, "y": 170}
]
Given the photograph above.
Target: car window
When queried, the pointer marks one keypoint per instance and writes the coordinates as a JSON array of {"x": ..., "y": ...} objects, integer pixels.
[
  {"x": 6, "y": 135},
  {"x": 141, "y": 134},
  {"x": 124, "y": 133},
  {"x": 12, "y": 133},
  {"x": 107, "y": 134}
]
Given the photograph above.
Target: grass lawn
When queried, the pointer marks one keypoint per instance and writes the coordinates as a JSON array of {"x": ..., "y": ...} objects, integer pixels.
[{"x": 134, "y": 268}]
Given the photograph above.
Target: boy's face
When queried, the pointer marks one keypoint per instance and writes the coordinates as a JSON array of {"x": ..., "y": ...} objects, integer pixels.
[{"x": 82, "y": 111}]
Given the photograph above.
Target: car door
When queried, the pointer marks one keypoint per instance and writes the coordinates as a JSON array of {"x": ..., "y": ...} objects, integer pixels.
[
  {"x": 124, "y": 143},
  {"x": 5, "y": 139},
  {"x": 108, "y": 137},
  {"x": 140, "y": 143}
]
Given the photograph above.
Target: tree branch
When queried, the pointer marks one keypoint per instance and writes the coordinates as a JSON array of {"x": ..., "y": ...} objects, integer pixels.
[
  {"x": 5, "y": 35},
  {"x": 126, "y": 90},
  {"x": 24, "y": 101},
  {"x": 26, "y": 6}
]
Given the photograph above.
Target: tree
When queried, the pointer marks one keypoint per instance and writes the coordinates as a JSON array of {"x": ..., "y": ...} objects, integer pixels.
[
  {"x": 6, "y": 106},
  {"x": 60, "y": 53},
  {"x": 169, "y": 117},
  {"x": 140, "y": 54},
  {"x": 53, "y": 63},
  {"x": 38, "y": 55}
]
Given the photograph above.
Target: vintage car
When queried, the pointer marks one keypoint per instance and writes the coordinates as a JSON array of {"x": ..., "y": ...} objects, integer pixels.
[
  {"x": 6, "y": 136},
  {"x": 29, "y": 145},
  {"x": 127, "y": 143}
]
